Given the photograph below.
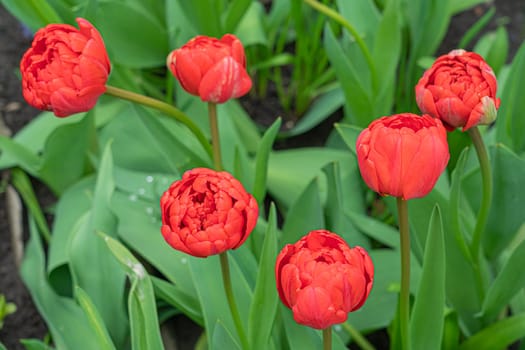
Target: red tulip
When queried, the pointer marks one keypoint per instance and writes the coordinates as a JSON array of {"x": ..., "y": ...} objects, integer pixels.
[
  {"x": 403, "y": 155},
  {"x": 460, "y": 89},
  {"x": 211, "y": 68},
  {"x": 65, "y": 70},
  {"x": 207, "y": 212},
  {"x": 322, "y": 279}
]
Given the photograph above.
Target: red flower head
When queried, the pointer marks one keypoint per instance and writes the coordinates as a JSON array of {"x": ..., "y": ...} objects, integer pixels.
[
  {"x": 403, "y": 155},
  {"x": 460, "y": 89},
  {"x": 65, "y": 70},
  {"x": 207, "y": 212},
  {"x": 322, "y": 279},
  {"x": 211, "y": 68}
]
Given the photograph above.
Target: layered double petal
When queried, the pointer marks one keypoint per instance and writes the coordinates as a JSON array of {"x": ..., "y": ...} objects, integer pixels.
[
  {"x": 207, "y": 212},
  {"x": 403, "y": 155},
  {"x": 66, "y": 69},
  {"x": 214, "y": 69},
  {"x": 322, "y": 279},
  {"x": 460, "y": 89}
]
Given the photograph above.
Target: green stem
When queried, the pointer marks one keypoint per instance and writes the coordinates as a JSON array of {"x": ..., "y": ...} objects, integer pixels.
[
  {"x": 214, "y": 129},
  {"x": 165, "y": 108},
  {"x": 357, "y": 337},
  {"x": 327, "y": 338},
  {"x": 404, "y": 298},
  {"x": 359, "y": 41},
  {"x": 486, "y": 179},
  {"x": 225, "y": 267}
]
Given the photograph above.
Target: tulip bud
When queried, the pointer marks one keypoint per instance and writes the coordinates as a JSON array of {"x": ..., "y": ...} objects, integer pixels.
[
  {"x": 207, "y": 212},
  {"x": 460, "y": 89},
  {"x": 65, "y": 70},
  {"x": 211, "y": 68},
  {"x": 322, "y": 279},
  {"x": 403, "y": 155}
]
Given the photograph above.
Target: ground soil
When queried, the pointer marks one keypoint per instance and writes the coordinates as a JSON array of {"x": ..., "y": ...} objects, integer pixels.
[{"x": 26, "y": 322}]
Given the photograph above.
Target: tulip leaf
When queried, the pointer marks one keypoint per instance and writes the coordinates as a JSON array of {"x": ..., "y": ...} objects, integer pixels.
[
  {"x": 265, "y": 300},
  {"x": 510, "y": 114},
  {"x": 506, "y": 214},
  {"x": 305, "y": 215},
  {"x": 222, "y": 339},
  {"x": 357, "y": 94},
  {"x": 33, "y": 13},
  {"x": 75, "y": 138},
  {"x": 88, "y": 256},
  {"x": 498, "y": 335},
  {"x": 144, "y": 323},
  {"x": 375, "y": 229},
  {"x": 235, "y": 12},
  {"x": 34, "y": 344},
  {"x": 173, "y": 295},
  {"x": 494, "y": 48},
  {"x": 508, "y": 282},
  {"x": 203, "y": 16},
  {"x": 16, "y": 154},
  {"x": 426, "y": 320},
  {"x": 74, "y": 331},
  {"x": 95, "y": 320},
  {"x": 118, "y": 22},
  {"x": 261, "y": 161}
]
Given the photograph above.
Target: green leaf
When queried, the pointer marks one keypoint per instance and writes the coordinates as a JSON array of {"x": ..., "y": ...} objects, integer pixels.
[
  {"x": 95, "y": 320},
  {"x": 16, "y": 154},
  {"x": 120, "y": 21},
  {"x": 375, "y": 229},
  {"x": 261, "y": 161},
  {"x": 357, "y": 94},
  {"x": 67, "y": 144},
  {"x": 510, "y": 119},
  {"x": 323, "y": 107},
  {"x": 508, "y": 282},
  {"x": 506, "y": 214},
  {"x": 34, "y": 344},
  {"x": 236, "y": 10},
  {"x": 387, "y": 39},
  {"x": 494, "y": 47},
  {"x": 33, "y": 13},
  {"x": 305, "y": 214},
  {"x": 265, "y": 299},
  {"x": 349, "y": 134},
  {"x": 498, "y": 335},
  {"x": 222, "y": 338},
  {"x": 88, "y": 256},
  {"x": 173, "y": 295},
  {"x": 203, "y": 16},
  {"x": 67, "y": 323},
  {"x": 426, "y": 320},
  {"x": 144, "y": 323}
]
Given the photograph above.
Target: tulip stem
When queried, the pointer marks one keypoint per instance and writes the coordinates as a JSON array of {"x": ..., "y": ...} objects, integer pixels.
[
  {"x": 486, "y": 178},
  {"x": 226, "y": 278},
  {"x": 359, "y": 41},
  {"x": 215, "y": 142},
  {"x": 404, "y": 297},
  {"x": 357, "y": 337},
  {"x": 165, "y": 108},
  {"x": 327, "y": 338}
]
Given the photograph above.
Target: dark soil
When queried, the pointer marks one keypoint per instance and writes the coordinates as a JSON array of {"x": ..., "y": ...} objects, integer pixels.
[{"x": 26, "y": 322}]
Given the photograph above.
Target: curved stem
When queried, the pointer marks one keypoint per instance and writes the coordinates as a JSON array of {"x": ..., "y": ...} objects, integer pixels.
[
  {"x": 404, "y": 297},
  {"x": 486, "y": 179},
  {"x": 327, "y": 338},
  {"x": 357, "y": 337},
  {"x": 214, "y": 129},
  {"x": 226, "y": 279},
  {"x": 165, "y": 108},
  {"x": 359, "y": 41}
]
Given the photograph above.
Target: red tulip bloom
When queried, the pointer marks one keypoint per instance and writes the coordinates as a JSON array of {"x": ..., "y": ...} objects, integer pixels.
[
  {"x": 211, "y": 68},
  {"x": 65, "y": 70},
  {"x": 403, "y": 155},
  {"x": 207, "y": 212},
  {"x": 460, "y": 89},
  {"x": 322, "y": 279}
]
